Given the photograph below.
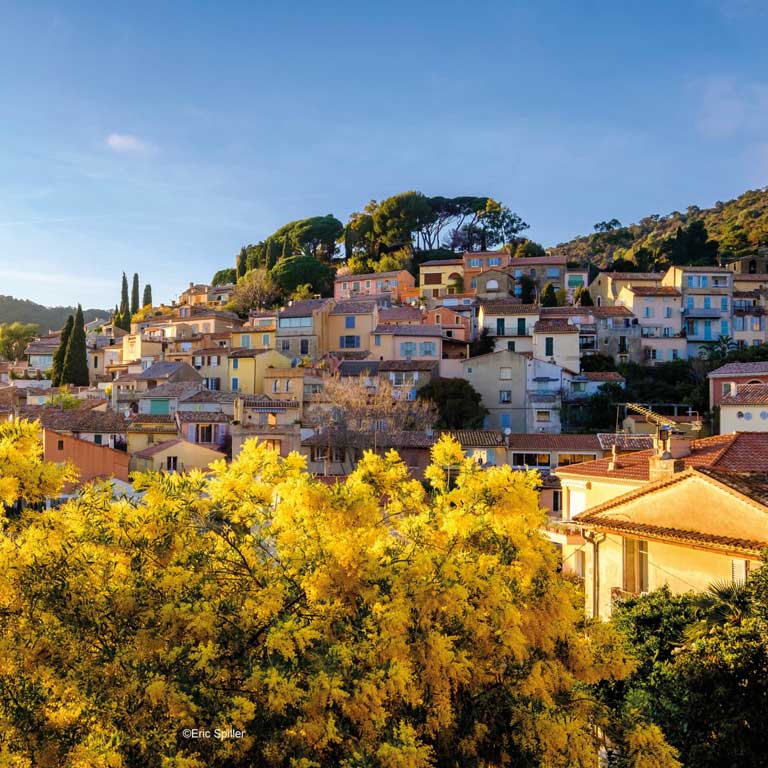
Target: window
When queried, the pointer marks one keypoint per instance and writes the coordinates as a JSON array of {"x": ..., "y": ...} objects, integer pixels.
[
  {"x": 506, "y": 421},
  {"x": 349, "y": 322},
  {"x": 475, "y": 262},
  {"x": 543, "y": 416},
  {"x": 204, "y": 433},
  {"x": 653, "y": 354},
  {"x": 675, "y": 354},
  {"x": 95, "y": 361},
  {"x": 304, "y": 347},
  {"x": 321, "y": 453},
  {"x": 295, "y": 322},
  {"x": 377, "y": 340},
  {"x": 557, "y": 501},
  {"x": 428, "y": 349},
  {"x": 287, "y": 386},
  {"x": 707, "y": 302},
  {"x": 549, "y": 346},
  {"x": 724, "y": 303},
  {"x": 723, "y": 327},
  {"x": 275, "y": 385},
  {"x": 518, "y": 274},
  {"x": 235, "y": 363},
  {"x": 473, "y": 283},
  {"x": 97, "y": 439},
  {"x": 407, "y": 348},
  {"x": 245, "y": 340},
  {"x": 235, "y": 383},
  {"x": 667, "y": 311},
  {"x": 349, "y": 342},
  {"x": 530, "y": 460},
  {"x": 264, "y": 339},
  {"x": 492, "y": 285},
  {"x": 494, "y": 261},
  {"x": 171, "y": 463},
  {"x": 511, "y": 346},
  {"x": 285, "y": 345},
  {"x": 499, "y": 326},
  {"x": 59, "y": 445},
  {"x": 505, "y": 373},
  {"x": 575, "y": 281},
  {"x": 575, "y": 458},
  {"x": 505, "y": 395},
  {"x": 690, "y": 302},
  {"x": 521, "y": 326},
  {"x": 635, "y": 566},
  {"x": 648, "y": 312},
  {"x": 262, "y": 323},
  {"x": 553, "y": 272}
]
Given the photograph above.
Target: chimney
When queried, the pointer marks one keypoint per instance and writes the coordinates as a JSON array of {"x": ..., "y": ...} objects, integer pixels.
[{"x": 669, "y": 449}]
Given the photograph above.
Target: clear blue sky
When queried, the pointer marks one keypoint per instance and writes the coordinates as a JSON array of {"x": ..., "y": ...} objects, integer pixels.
[{"x": 162, "y": 136}]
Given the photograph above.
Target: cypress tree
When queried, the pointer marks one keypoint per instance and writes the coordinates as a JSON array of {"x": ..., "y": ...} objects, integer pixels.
[
  {"x": 75, "y": 371},
  {"x": 147, "y": 296},
  {"x": 242, "y": 263},
  {"x": 124, "y": 306},
  {"x": 61, "y": 351},
  {"x": 135, "y": 294}
]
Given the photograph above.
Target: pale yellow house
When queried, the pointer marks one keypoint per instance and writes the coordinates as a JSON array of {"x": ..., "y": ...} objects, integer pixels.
[
  {"x": 745, "y": 409},
  {"x": 248, "y": 367},
  {"x": 558, "y": 342},
  {"x": 212, "y": 363},
  {"x": 606, "y": 286},
  {"x": 175, "y": 455},
  {"x": 149, "y": 429},
  {"x": 137, "y": 347},
  {"x": 686, "y": 514},
  {"x": 407, "y": 342},
  {"x": 259, "y": 331},
  {"x": 441, "y": 277},
  {"x": 350, "y": 324}
]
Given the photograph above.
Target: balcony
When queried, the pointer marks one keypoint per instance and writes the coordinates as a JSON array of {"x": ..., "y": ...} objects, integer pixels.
[{"x": 704, "y": 312}]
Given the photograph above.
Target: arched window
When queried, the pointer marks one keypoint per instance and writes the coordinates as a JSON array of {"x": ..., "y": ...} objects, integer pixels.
[{"x": 492, "y": 285}]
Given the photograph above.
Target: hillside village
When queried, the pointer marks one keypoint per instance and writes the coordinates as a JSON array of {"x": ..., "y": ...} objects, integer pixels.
[{"x": 188, "y": 384}]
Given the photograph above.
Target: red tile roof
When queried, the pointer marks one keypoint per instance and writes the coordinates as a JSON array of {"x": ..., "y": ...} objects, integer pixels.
[
  {"x": 536, "y": 442},
  {"x": 658, "y": 290},
  {"x": 740, "y": 369},
  {"x": 509, "y": 306},
  {"x": 409, "y": 330},
  {"x": 554, "y": 326},
  {"x": 393, "y": 314},
  {"x": 739, "y": 452},
  {"x": 603, "y": 376},
  {"x": 748, "y": 394}
]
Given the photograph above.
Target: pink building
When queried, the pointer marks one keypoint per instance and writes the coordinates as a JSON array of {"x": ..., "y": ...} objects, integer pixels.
[{"x": 392, "y": 284}]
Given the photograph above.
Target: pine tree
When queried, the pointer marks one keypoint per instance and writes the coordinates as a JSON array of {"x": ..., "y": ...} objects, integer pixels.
[
  {"x": 147, "y": 300},
  {"x": 135, "y": 294},
  {"x": 124, "y": 306},
  {"x": 61, "y": 351},
  {"x": 75, "y": 371}
]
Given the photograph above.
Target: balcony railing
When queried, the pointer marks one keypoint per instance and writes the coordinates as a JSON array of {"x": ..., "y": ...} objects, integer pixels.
[{"x": 703, "y": 312}]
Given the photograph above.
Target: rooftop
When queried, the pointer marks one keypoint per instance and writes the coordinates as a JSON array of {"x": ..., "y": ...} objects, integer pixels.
[
  {"x": 353, "y": 307},
  {"x": 554, "y": 326},
  {"x": 396, "y": 314},
  {"x": 408, "y": 330},
  {"x": 407, "y": 365},
  {"x": 509, "y": 305},
  {"x": 442, "y": 263},
  {"x": 603, "y": 376},
  {"x": 304, "y": 308},
  {"x": 539, "y": 442},
  {"x": 739, "y": 452},
  {"x": 654, "y": 290},
  {"x": 748, "y": 394},
  {"x": 740, "y": 369}
]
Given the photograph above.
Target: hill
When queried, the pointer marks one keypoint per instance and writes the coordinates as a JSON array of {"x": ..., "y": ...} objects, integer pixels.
[
  {"x": 738, "y": 227},
  {"x": 47, "y": 318}
]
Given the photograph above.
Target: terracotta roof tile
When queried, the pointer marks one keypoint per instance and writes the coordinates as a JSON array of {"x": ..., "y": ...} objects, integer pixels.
[
  {"x": 554, "y": 326},
  {"x": 603, "y": 376},
  {"x": 409, "y": 330},
  {"x": 748, "y": 394},
  {"x": 536, "y": 442},
  {"x": 740, "y": 369}
]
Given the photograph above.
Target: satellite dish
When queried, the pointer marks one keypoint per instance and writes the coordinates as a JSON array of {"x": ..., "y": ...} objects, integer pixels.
[{"x": 507, "y": 431}]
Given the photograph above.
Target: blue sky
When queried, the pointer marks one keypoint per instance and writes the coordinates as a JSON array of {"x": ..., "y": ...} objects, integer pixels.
[{"x": 162, "y": 136}]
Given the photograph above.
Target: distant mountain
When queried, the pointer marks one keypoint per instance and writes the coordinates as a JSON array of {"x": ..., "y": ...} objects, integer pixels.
[
  {"x": 739, "y": 227},
  {"x": 47, "y": 318}
]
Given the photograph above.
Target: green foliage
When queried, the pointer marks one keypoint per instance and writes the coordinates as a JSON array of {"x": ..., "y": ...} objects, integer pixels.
[
  {"x": 146, "y": 300},
  {"x": 524, "y": 248},
  {"x": 739, "y": 227},
  {"x": 45, "y": 318},
  {"x": 482, "y": 344},
  {"x": 582, "y": 297},
  {"x": 225, "y": 276},
  {"x": 289, "y": 273},
  {"x": 61, "y": 352},
  {"x": 125, "y": 307},
  {"x": 527, "y": 289},
  {"x": 459, "y": 405},
  {"x": 561, "y": 297},
  {"x": 548, "y": 296},
  {"x": 702, "y": 674},
  {"x": 75, "y": 368},
  {"x": 597, "y": 362},
  {"x": 14, "y": 338},
  {"x": 135, "y": 294}
]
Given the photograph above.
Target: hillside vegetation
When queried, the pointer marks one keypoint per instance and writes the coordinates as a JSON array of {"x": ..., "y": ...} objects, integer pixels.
[
  {"x": 738, "y": 227},
  {"x": 46, "y": 318}
]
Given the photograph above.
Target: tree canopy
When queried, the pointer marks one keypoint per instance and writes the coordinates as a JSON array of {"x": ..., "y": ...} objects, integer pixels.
[
  {"x": 373, "y": 622},
  {"x": 14, "y": 338},
  {"x": 289, "y": 273},
  {"x": 458, "y": 404}
]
